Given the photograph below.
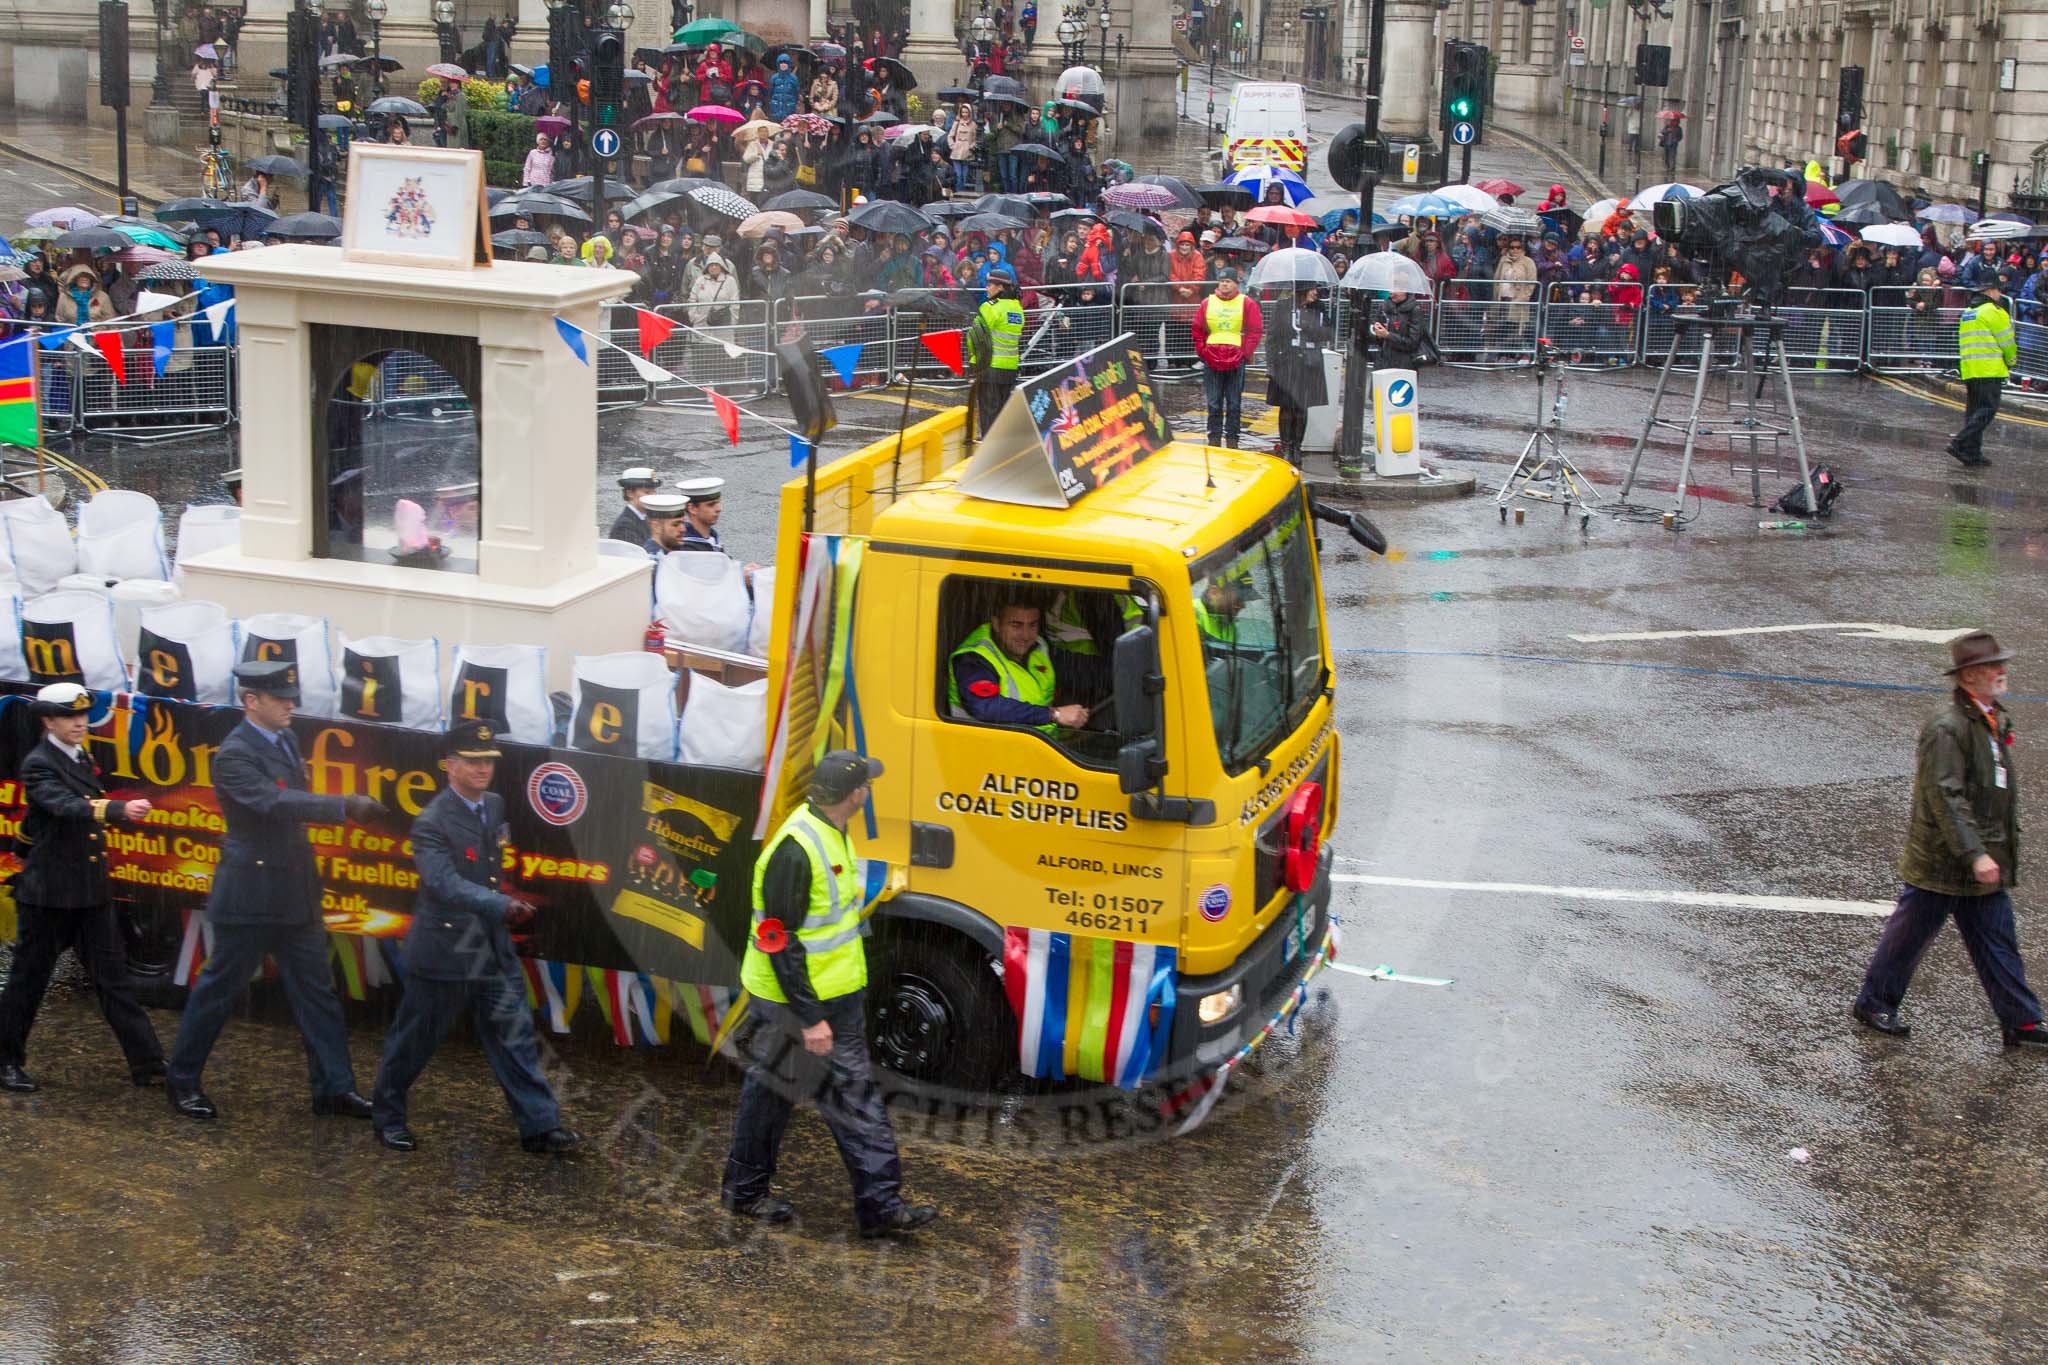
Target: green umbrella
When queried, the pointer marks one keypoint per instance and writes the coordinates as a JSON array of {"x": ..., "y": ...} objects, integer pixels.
[
  {"x": 150, "y": 236},
  {"x": 701, "y": 31}
]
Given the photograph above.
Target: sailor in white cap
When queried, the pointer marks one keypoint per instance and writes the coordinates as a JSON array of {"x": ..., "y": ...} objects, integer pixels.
[
  {"x": 664, "y": 513},
  {"x": 704, "y": 499},
  {"x": 634, "y": 485}
]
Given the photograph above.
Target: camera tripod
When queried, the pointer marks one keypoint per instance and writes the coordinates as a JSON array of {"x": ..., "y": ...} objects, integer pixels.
[
  {"x": 1543, "y": 461},
  {"x": 1744, "y": 423}
]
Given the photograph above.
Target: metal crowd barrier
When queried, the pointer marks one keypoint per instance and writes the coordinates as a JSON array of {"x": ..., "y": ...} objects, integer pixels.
[
  {"x": 619, "y": 384},
  {"x": 1911, "y": 331},
  {"x": 830, "y": 322},
  {"x": 1163, "y": 325},
  {"x": 726, "y": 350},
  {"x": 194, "y": 393},
  {"x": 1660, "y": 303},
  {"x": 57, "y": 389},
  {"x": 1486, "y": 333},
  {"x": 1826, "y": 327},
  {"x": 1589, "y": 326},
  {"x": 2032, "y": 370},
  {"x": 411, "y": 388}
]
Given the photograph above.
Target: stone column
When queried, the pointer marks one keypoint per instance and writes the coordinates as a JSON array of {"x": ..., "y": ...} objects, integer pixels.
[
  {"x": 933, "y": 51},
  {"x": 1410, "y": 75}
]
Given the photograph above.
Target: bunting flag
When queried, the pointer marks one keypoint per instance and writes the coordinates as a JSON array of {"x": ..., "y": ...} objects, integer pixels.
[
  {"x": 51, "y": 341},
  {"x": 654, "y": 329},
  {"x": 945, "y": 348},
  {"x": 217, "y": 315},
  {"x": 551, "y": 985},
  {"x": 648, "y": 370},
  {"x": 723, "y": 1010},
  {"x": 347, "y": 950},
  {"x": 844, "y": 359},
  {"x": 194, "y": 950},
  {"x": 799, "y": 451},
  {"x": 1084, "y": 1005},
  {"x": 111, "y": 350},
  {"x": 163, "y": 339},
  {"x": 601, "y": 985},
  {"x": 573, "y": 336},
  {"x": 20, "y": 419},
  {"x": 149, "y": 301},
  {"x": 728, "y": 415}
]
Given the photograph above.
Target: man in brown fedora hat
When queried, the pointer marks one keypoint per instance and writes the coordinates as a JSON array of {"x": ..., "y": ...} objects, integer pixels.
[{"x": 1962, "y": 854}]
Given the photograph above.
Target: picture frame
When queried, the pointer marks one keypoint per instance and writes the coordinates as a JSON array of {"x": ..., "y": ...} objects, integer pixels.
[{"x": 419, "y": 206}]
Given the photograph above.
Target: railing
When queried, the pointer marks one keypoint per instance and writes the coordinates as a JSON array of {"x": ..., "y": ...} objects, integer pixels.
[
  {"x": 722, "y": 346},
  {"x": 1595, "y": 323},
  {"x": 195, "y": 392},
  {"x": 1911, "y": 331}
]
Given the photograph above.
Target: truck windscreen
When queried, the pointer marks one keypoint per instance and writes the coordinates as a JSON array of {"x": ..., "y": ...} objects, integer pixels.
[{"x": 1261, "y": 633}]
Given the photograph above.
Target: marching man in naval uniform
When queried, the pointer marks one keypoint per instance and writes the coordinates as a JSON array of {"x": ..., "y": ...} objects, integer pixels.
[
  {"x": 458, "y": 954},
  {"x": 634, "y": 485},
  {"x": 62, "y": 895}
]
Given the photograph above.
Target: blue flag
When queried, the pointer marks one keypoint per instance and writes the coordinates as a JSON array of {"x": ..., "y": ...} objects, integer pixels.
[
  {"x": 163, "y": 339},
  {"x": 843, "y": 359},
  {"x": 799, "y": 448},
  {"x": 51, "y": 341},
  {"x": 574, "y": 338}
]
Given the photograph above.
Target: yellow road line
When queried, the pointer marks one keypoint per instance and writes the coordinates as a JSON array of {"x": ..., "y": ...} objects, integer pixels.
[
  {"x": 1913, "y": 391},
  {"x": 895, "y": 395}
]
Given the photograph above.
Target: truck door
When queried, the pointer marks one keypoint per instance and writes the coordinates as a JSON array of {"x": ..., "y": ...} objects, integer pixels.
[{"x": 1041, "y": 836}]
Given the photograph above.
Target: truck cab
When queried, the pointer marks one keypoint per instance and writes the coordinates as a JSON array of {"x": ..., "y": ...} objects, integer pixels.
[{"x": 1183, "y": 820}]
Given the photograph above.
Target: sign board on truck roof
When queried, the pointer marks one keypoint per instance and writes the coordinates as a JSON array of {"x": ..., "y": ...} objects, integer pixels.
[{"x": 1070, "y": 431}]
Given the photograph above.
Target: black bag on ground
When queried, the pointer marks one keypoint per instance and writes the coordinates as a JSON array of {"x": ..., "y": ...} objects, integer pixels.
[{"x": 1819, "y": 501}]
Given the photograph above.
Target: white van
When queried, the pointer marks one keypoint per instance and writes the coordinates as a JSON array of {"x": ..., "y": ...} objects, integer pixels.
[{"x": 1268, "y": 126}]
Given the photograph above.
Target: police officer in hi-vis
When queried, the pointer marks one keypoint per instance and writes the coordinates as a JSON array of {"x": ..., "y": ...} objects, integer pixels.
[
  {"x": 458, "y": 954},
  {"x": 61, "y": 895},
  {"x": 266, "y": 897},
  {"x": 805, "y": 966}
]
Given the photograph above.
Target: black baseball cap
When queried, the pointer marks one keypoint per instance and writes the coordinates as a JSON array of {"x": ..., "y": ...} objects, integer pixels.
[
  {"x": 839, "y": 773},
  {"x": 272, "y": 677},
  {"x": 471, "y": 739}
]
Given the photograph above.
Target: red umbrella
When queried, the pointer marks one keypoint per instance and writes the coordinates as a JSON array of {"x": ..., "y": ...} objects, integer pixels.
[
  {"x": 1819, "y": 195},
  {"x": 1497, "y": 188},
  {"x": 1282, "y": 214},
  {"x": 1673, "y": 114},
  {"x": 554, "y": 125},
  {"x": 715, "y": 113}
]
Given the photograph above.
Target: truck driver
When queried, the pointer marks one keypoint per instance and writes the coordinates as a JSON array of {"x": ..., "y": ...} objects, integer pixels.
[{"x": 1002, "y": 673}]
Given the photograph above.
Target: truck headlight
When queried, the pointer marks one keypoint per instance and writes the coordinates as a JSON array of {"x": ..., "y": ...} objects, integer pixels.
[{"x": 1214, "y": 1009}]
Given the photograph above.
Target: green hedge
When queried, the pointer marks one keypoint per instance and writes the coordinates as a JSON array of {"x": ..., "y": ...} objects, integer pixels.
[{"x": 504, "y": 139}]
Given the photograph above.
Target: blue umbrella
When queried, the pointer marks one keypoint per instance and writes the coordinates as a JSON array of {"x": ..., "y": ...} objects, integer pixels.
[
  {"x": 1427, "y": 206},
  {"x": 1946, "y": 213},
  {"x": 1257, "y": 178}
]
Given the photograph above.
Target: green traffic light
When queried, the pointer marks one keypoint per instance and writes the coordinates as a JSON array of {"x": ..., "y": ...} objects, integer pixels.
[{"x": 1461, "y": 107}]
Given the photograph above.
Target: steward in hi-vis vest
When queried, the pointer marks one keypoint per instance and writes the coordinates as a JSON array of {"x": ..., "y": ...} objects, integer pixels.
[{"x": 995, "y": 346}]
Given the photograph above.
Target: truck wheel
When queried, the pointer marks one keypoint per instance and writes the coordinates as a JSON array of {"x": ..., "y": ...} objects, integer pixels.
[{"x": 937, "y": 1014}]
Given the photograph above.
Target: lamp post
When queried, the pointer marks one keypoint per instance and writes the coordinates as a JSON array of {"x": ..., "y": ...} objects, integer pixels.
[
  {"x": 618, "y": 18},
  {"x": 376, "y": 10},
  {"x": 1102, "y": 18},
  {"x": 444, "y": 28},
  {"x": 983, "y": 30},
  {"x": 1073, "y": 35}
]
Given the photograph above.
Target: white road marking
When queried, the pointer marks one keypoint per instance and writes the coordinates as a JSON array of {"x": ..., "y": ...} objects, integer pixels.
[
  {"x": 1718, "y": 900},
  {"x": 1862, "y": 630},
  {"x": 566, "y": 1276},
  {"x": 602, "y": 1322}
]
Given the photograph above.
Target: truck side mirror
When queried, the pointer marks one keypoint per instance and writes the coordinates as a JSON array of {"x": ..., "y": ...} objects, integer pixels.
[
  {"x": 1356, "y": 524},
  {"x": 1139, "y": 766}
]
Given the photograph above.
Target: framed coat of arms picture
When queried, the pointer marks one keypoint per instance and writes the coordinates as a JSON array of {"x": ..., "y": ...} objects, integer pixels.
[{"x": 421, "y": 206}]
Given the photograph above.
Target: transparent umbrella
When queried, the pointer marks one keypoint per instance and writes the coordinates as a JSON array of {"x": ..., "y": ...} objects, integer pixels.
[
  {"x": 1386, "y": 270},
  {"x": 1293, "y": 267}
]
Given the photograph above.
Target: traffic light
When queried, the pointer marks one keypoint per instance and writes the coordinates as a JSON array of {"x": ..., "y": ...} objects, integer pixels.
[
  {"x": 1849, "y": 100},
  {"x": 607, "y": 79},
  {"x": 114, "y": 54},
  {"x": 1653, "y": 64},
  {"x": 1465, "y": 74}
]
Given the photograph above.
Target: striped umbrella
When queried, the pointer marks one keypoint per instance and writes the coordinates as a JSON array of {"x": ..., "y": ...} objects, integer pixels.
[
  {"x": 1137, "y": 196},
  {"x": 1257, "y": 178}
]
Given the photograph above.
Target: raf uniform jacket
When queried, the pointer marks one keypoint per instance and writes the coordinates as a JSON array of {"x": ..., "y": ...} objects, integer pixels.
[
  {"x": 63, "y": 842},
  {"x": 458, "y": 920},
  {"x": 267, "y": 874},
  {"x": 1962, "y": 809}
]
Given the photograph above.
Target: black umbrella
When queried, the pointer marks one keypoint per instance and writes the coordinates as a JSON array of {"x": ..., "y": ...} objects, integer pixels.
[
  {"x": 244, "y": 220},
  {"x": 889, "y": 215},
  {"x": 534, "y": 204},
  {"x": 1077, "y": 108},
  {"x": 1566, "y": 221},
  {"x": 580, "y": 189},
  {"x": 680, "y": 49},
  {"x": 899, "y": 74},
  {"x": 1244, "y": 245},
  {"x": 518, "y": 239},
  {"x": 989, "y": 222},
  {"x": 943, "y": 209},
  {"x": 277, "y": 165},
  {"x": 1074, "y": 217},
  {"x": 341, "y": 58},
  {"x": 651, "y": 202},
  {"x": 1886, "y": 199},
  {"x": 799, "y": 55},
  {"x": 1860, "y": 215},
  {"x": 94, "y": 239},
  {"x": 168, "y": 229},
  {"x": 683, "y": 184},
  {"x": 493, "y": 193},
  {"x": 881, "y": 118},
  {"x": 653, "y": 56},
  {"x": 304, "y": 227},
  {"x": 1036, "y": 149},
  {"x": 1184, "y": 194},
  {"x": 397, "y": 104},
  {"x": 1016, "y": 100},
  {"x": 1045, "y": 201},
  {"x": 956, "y": 94},
  {"x": 1016, "y": 205},
  {"x": 385, "y": 64},
  {"x": 1003, "y": 85},
  {"x": 801, "y": 201},
  {"x": 1221, "y": 195},
  {"x": 1133, "y": 222},
  {"x": 335, "y": 123}
]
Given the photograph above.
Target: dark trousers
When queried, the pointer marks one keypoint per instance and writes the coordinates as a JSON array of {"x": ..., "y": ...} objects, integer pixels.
[
  {"x": 1293, "y": 426},
  {"x": 92, "y": 934},
  {"x": 300, "y": 951},
  {"x": 1224, "y": 390},
  {"x": 1986, "y": 924},
  {"x": 1983, "y": 406},
  {"x": 991, "y": 390},
  {"x": 842, "y": 1085},
  {"x": 497, "y": 1007}
]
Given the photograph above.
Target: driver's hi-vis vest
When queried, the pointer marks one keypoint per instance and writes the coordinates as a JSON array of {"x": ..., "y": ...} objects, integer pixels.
[
  {"x": 830, "y": 930},
  {"x": 1225, "y": 321},
  {"x": 1031, "y": 681}
]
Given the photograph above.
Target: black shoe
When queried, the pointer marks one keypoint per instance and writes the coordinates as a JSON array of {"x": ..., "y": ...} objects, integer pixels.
[
  {"x": 2033, "y": 1035},
  {"x": 767, "y": 1208},
  {"x": 12, "y": 1077},
  {"x": 907, "y": 1218},
  {"x": 192, "y": 1104},
  {"x": 1883, "y": 1021},
  {"x": 347, "y": 1105},
  {"x": 398, "y": 1138},
  {"x": 148, "y": 1074},
  {"x": 554, "y": 1142}
]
